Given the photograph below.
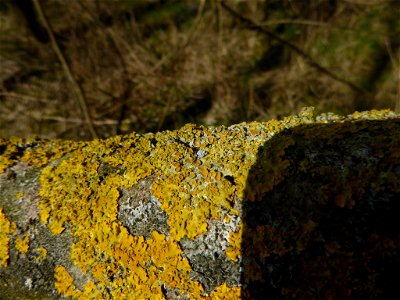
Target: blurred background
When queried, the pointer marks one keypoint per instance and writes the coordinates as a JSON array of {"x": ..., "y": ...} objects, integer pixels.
[{"x": 81, "y": 69}]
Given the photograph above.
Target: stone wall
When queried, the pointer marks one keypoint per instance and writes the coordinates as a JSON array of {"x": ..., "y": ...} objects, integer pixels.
[{"x": 304, "y": 207}]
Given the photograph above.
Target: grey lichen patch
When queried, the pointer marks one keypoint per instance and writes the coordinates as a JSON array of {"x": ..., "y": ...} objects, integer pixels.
[
  {"x": 33, "y": 277},
  {"x": 19, "y": 197},
  {"x": 173, "y": 294},
  {"x": 19, "y": 193},
  {"x": 207, "y": 256},
  {"x": 140, "y": 211}
]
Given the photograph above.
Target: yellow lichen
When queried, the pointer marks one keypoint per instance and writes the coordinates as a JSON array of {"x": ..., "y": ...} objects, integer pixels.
[
  {"x": 224, "y": 292},
  {"x": 9, "y": 156},
  {"x": 65, "y": 282},
  {"x": 40, "y": 254},
  {"x": 19, "y": 195},
  {"x": 199, "y": 174},
  {"x": 6, "y": 228},
  {"x": 22, "y": 244},
  {"x": 235, "y": 239},
  {"x": 48, "y": 151}
]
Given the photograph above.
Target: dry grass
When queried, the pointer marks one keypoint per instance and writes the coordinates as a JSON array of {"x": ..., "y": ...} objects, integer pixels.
[{"x": 148, "y": 65}]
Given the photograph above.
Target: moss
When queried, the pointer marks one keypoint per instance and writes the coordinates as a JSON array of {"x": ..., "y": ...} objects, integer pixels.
[{"x": 141, "y": 209}]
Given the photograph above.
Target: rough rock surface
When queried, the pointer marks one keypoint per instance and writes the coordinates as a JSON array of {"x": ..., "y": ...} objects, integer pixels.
[{"x": 304, "y": 208}]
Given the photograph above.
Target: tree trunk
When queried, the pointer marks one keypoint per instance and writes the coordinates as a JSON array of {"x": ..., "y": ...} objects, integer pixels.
[{"x": 306, "y": 207}]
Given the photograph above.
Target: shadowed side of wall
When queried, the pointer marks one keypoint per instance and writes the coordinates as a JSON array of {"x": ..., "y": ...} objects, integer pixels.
[{"x": 321, "y": 214}]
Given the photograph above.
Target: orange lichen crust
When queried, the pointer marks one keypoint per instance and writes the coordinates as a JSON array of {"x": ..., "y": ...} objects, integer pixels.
[
  {"x": 22, "y": 244},
  {"x": 6, "y": 229},
  {"x": 9, "y": 152},
  {"x": 201, "y": 178},
  {"x": 197, "y": 179}
]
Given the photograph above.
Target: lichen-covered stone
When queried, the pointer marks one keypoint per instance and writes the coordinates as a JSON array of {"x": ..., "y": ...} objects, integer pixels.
[
  {"x": 140, "y": 212},
  {"x": 304, "y": 207},
  {"x": 328, "y": 228}
]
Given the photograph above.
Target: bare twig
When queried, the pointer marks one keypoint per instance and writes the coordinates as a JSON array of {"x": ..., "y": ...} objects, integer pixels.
[
  {"x": 76, "y": 87},
  {"x": 309, "y": 60},
  {"x": 26, "y": 97},
  {"x": 396, "y": 67},
  {"x": 367, "y": 2},
  {"x": 78, "y": 121},
  {"x": 294, "y": 21},
  {"x": 302, "y": 22}
]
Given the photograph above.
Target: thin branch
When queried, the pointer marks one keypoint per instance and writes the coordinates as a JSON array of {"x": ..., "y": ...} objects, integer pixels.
[
  {"x": 396, "y": 68},
  {"x": 302, "y": 22},
  {"x": 78, "y": 121},
  {"x": 309, "y": 60},
  {"x": 25, "y": 97},
  {"x": 75, "y": 86},
  {"x": 294, "y": 21},
  {"x": 367, "y": 2}
]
